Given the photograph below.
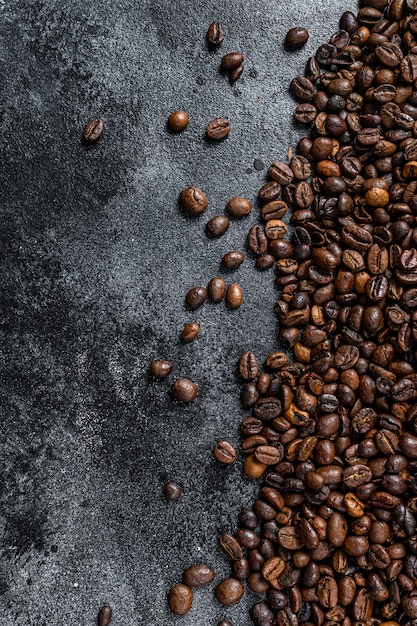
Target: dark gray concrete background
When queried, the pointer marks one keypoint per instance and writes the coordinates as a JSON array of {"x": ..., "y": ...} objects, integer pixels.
[{"x": 96, "y": 260}]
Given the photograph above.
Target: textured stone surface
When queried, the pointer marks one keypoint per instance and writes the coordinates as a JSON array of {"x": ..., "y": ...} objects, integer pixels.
[{"x": 96, "y": 260}]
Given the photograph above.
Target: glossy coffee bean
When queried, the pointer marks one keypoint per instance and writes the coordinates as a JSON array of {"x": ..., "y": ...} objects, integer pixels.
[
  {"x": 180, "y": 599},
  {"x": 234, "y": 296},
  {"x": 178, "y": 121},
  {"x": 215, "y": 34},
  {"x": 190, "y": 332},
  {"x": 229, "y": 591},
  {"x": 172, "y": 491},
  {"x": 93, "y": 130},
  {"x": 196, "y": 296},
  {"x": 216, "y": 289},
  {"x": 104, "y": 615},
  {"x": 238, "y": 207},
  {"x": 160, "y": 368},
  {"x": 218, "y": 129},
  {"x": 193, "y": 201},
  {"x": 224, "y": 452},
  {"x": 231, "y": 61},
  {"x": 198, "y": 575},
  {"x": 296, "y": 38},
  {"x": 233, "y": 259},
  {"x": 184, "y": 390},
  {"x": 217, "y": 226}
]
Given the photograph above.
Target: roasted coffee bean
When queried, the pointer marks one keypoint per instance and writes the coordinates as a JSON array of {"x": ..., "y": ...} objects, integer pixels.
[
  {"x": 196, "y": 296},
  {"x": 302, "y": 88},
  {"x": 193, "y": 201},
  {"x": 217, "y": 226},
  {"x": 248, "y": 366},
  {"x": 231, "y": 547},
  {"x": 238, "y": 207},
  {"x": 234, "y": 74},
  {"x": 296, "y": 38},
  {"x": 215, "y": 34},
  {"x": 178, "y": 121},
  {"x": 190, "y": 332},
  {"x": 231, "y": 61},
  {"x": 104, "y": 615},
  {"x": 224, "y": 452},
  {"x": 233, "y": 259},
  {"x": 160, "y": 368},
  {"x": 172, "y": 491},
  {"x": 218, "y": 129},
  {"x": 180, "y": 599},
  {"x": 216, "y": 290},
  {"x": 93, "y": 130},
  {"x": 229, "y": 591},
  {"x": 198, "y": 575},
  {"x": 184, "y": 390},
  {"x": 234, "y": 296},
  {"x": 257, "y": 240}
]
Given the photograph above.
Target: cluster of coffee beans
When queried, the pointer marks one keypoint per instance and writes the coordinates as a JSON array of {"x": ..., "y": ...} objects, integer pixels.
[{"x": 332, "y": 536}]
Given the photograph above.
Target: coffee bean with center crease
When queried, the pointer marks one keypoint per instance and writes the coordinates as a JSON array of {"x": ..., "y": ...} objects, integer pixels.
[
  {"x": 104, "y": 615},
  {"x": 257, "y": 240},
  {"x": 218, "y": 129},
  {"x": 215, "y": 34},
  {"x": 93, "y": 130},
  {"x": 248, "y": 366},
  {"x": 225, "y": 452},
  {"x": 184, "y": 390},
  {"x": 302, "y": 88},
  {"x": 193, "y": 201}
]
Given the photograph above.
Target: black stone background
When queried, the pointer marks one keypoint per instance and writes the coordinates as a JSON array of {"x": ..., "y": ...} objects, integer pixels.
[{"x": 96, "y": 260}]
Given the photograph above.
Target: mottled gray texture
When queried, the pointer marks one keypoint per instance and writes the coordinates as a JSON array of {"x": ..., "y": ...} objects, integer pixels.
[{"x": 96, "y": 261}]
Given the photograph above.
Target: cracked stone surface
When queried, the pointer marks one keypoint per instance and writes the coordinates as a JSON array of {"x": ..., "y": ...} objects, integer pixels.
[{"x": 96, "y": 261}]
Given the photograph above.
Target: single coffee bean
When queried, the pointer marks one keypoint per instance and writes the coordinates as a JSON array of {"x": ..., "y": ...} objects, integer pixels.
[
  {"x": 231, "y": 547},
  {"x": 180, "y": 599},
  {"x": 198, "y": 575},
  {"x": 160, "y": 368},
  {"x": 217, "y": 226},
  {"x": 218, "y": 129},
  {"x": 224, "y": 452},
  {"x": 215, "y": 34},
  {"x": 190, "y": 331},
  {"x": 248, "y": 366},
  {"x": 234, "y": 296},
  {"x": 104, "y": 615},
  {"x": 193, "y": 201},
  {"x": 233, "y": 259},
  {"x": 178, "y": 121},
  {"x": 216, "y": 289},
  {"x": 238, "y": 207},
  {"x": 184, "y": 390},
  {"x": 196, "y": 296},
  {"x": 229, "y": 591},
  {"x": 231, "y": 61},
  {"x": 93, "y": 130},
  {"x": 172, "y": 491},
  {"x": 257, "y": 240},
  {"x": 296, "y": 38}
]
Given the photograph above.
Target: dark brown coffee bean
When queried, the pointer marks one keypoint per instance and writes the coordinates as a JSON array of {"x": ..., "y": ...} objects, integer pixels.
[
  {"x": 172, "y": 491},
  {"x": 180, "y": 599},
  {"x": 238, "y": 207},
  {"x": 198, "y": 575},
  {"x": 160, "y": 368},
  {"x": 296, "y": 38},
  {"x": 216, "y": 290},
  {"x": 389, "y": 54},
  {"x": 217, "y": 226},
  {"x": 305, "y": 113},
  {"x": 215, "y": 34},
  {"x": 231, "y": 547},
  {"x": 178, "y": 121},
  {"x": 225, "y": 452},
  {"x": 269, "y": 455},
  {"x": 327, "y": 592},
  {"x": 193, "y": 201},
  {"x": 229, "y": 591},
  {"x": 218, "y": 129},
  {"x": 184, "y": 390},
  {"x": 196, "y": 296},
  {"x": 233, "y": 259},
  {"x": 302, "y": 88},
  {"x": 231, "y": 61},
  {"x": 234, "y": 296},
  {"x": 93, "y": 130},
  {"x": 248, "y": 366},
  {"x": 104, "y": 615},
  {"x": 190, "y": 331}
]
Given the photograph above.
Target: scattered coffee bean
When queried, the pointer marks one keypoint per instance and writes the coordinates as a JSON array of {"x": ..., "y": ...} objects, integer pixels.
[
  {"x": 231, "y": 61},
  {"x": 193, "y": 201},
  {"x": 180, "y": 599},
  {"x": 195, "y": 297},
  {"x": 93, "y": 130},
  {"x": 218, "y": 129},
  {"x": 229, "y": 591},
  {"x": 198, "y": 575},
  {"x": 225, "y": 452},
  {"x": 217, "y": 226},
  {"x": 172, "y": 491},
  {"x": 190, "y": 331},
  {"x": 296, "y": 38},
  {"x": 234, "y": 296},
  {"x": 178, "y": 121},
  {"x": 216, "y": 289},
  {"x": 184, "y": 390},
  {"x": 233, "y": 259},
  {"x": 104, "y": 615},
  {"x": 215, "y": 34},
  {"x": 160, "y": 368},
  {"x": 238, "y": 207}
]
